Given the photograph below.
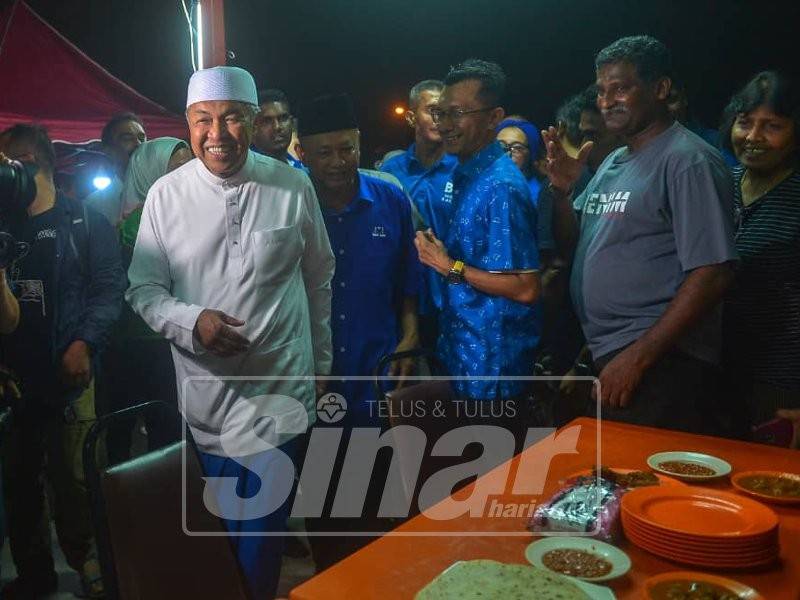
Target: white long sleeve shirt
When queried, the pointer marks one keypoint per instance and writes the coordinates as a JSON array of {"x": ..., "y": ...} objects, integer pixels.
[{"x": 254, "y": 246}]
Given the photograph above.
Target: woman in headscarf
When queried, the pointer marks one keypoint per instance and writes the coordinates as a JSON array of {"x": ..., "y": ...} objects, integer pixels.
[
  {"x": 761, "y": 127},
  {"x": 138, "y": 363},
  {"x": 523, "y": 143},
  {"x": 148, "y": 163}
]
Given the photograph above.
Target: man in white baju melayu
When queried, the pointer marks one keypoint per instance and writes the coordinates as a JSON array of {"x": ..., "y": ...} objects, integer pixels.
[{"x": 232, "y": 265}]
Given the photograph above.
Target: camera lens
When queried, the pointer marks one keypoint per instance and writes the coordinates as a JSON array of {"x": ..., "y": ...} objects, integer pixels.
[{"x": 17, "y": 186}]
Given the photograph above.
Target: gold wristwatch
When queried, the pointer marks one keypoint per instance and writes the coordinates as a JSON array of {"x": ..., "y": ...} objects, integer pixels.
[{"x": 456, "y": 274}]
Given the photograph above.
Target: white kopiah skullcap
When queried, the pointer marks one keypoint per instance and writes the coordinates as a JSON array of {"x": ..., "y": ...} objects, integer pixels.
[{"x": 222, "y": 83}]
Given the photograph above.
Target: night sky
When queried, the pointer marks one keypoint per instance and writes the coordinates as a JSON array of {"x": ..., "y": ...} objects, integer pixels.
[{"x": 377, "y": 49}]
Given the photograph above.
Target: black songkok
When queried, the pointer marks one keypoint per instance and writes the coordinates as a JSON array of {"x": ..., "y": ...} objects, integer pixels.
[{"x": 332, "y": 112}]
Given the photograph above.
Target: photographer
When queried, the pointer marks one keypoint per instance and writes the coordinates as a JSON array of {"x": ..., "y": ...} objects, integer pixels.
[
  {"x": 9, "y": 318},
  {"x": 69, "y": 286},
  {"x": 9, "y": 307}
]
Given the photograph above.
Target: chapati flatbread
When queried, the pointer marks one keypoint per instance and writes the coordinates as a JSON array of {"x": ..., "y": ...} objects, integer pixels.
[{"x": 489, "y": 580}]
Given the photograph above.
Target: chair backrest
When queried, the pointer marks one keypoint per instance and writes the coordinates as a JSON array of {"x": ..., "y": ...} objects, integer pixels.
[
  {"x": 155, "y": 536},
  {"x": 153, "y": 556}
]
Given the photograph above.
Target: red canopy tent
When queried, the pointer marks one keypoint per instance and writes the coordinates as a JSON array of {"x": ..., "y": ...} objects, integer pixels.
[{"x": 46, "y": 79}]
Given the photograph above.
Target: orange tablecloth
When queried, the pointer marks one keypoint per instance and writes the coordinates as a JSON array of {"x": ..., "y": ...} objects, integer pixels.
[{"x": 397, "y": 567}]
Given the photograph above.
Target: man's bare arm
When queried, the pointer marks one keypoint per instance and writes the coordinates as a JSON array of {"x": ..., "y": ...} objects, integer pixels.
[{"x": 520, "y": 287}]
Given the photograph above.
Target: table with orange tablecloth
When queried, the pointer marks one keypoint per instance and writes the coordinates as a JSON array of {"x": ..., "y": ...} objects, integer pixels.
[{"x": 397, "y": 566}]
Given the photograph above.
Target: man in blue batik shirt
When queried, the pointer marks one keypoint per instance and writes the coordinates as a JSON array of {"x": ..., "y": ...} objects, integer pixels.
[
  {"x": 426, "y": 173},
  {"x": 488, "y": 256},
  {"x": 375, "y": 285}
]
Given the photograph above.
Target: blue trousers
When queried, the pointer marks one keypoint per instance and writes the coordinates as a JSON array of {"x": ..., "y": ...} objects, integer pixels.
[{"x": 259, "y": 556}]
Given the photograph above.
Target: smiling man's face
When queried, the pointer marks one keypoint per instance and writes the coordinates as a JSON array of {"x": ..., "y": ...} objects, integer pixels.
[
  {"x": 467, "y": 124},
  {"x": 220, "y": 132},
  {"x": 628, "y": 104}
]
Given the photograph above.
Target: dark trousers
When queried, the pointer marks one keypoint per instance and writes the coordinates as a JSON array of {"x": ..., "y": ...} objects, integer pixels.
[
  {"x": 429, "y": 330},
  {"x": 512, "y": 414},
  {"x": 679, "y": 392},
  {"x": 756, "y": 401},
  {"x": 42, "y": 446},
  {"x": 136, "y": 371},
  {"x": 327, "y": 550}
]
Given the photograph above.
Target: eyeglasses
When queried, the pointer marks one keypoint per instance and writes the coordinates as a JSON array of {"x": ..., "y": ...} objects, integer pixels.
[
  {"x": 515, "y": 148},
  {"x": 455, "y": 114}
]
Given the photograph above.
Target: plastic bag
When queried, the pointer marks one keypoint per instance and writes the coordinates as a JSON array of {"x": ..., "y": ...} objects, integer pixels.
[{"x": 582, "y": 506}]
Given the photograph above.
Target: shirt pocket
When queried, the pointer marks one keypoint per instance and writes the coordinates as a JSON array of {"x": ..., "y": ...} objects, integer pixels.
[
  {"x": 376, "y": 266},
  {"x": 276, "y": 254}
]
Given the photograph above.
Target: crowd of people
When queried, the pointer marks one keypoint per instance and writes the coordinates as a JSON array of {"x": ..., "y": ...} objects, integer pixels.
[{"x": 625, "y": 241}]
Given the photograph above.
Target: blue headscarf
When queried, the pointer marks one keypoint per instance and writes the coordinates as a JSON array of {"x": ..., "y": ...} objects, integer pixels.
[{"x": 529, "y": 129}]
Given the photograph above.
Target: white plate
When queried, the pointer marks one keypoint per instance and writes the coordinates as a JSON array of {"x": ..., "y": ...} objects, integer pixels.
[
  {"x": 721, "y": 468},
  {"x": 595, "y": 592},
  {"x": 620, "y": 563}
]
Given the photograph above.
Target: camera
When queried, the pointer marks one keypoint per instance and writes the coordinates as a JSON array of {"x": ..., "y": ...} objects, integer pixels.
[
  {"x": 17, "y": 191},
  {"x": 17, "y": 186}
]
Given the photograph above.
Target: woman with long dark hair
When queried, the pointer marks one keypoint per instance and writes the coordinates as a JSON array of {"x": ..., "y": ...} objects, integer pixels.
[{"x": 761, "y": 127}]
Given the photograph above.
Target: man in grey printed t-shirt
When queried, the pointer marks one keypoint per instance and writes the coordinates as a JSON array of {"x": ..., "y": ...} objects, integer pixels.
[{"x": 653, "y": 249}]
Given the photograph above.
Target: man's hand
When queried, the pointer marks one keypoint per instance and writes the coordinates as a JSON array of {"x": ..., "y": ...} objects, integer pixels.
[
  {"x": 794, "y": 416},
  {"x": 76, "y": 365},
  {"x": 568, "y": 385},
  {"x": 405, "y": 366},
  {"x": 9, "y": 391},
  {"x": 620, "y": 378},
  {"x": 432, "y": 252},
  {"x": 563, "y": 171},
  {"x": 214, "y": 331}
]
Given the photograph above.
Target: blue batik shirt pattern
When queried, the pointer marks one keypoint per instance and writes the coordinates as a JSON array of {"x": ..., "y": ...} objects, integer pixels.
[
  {"x": 377, "y": 267},
  {"x": 431, "y": 190},
  {"x": 493, "y": 229}
]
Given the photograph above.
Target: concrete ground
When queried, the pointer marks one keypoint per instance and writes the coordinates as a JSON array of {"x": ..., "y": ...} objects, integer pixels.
[{"x": 294, "y": 572}]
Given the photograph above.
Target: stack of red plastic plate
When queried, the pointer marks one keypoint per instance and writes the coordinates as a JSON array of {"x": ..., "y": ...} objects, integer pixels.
[{"x": 701, "y": 526}]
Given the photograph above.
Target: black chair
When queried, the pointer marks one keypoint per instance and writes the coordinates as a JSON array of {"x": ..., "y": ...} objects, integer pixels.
[
  {"x": 144, "y": 511},
  {"x": 426, "y": 405}
]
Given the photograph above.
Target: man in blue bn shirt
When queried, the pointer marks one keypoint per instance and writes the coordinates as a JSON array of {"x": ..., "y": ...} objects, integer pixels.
[
  {"x": 375, "y": 286},
  {"x": 488, "y": 255},
  {"x": 374, "y": 305},
  {"x": 426, "y": 174}
]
